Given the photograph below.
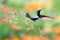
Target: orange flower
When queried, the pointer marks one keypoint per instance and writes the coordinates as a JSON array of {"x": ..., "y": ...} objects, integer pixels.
[
  {"x": 55, "y": 17},
  {"x": 45, "y": 3},
  {"x": 56, "y": 38},
  {"x": 32, "y": 6},
  {"x": 56, "y": 29},
  {"x": 14, "y": 27},
  {"x": 26, "y": 38},
  {"x": 42, "y": 3},
  {"x": 43, "y": 38},
  {"x": 16, "y": 38},
  {"x": 35, "y": 37}
]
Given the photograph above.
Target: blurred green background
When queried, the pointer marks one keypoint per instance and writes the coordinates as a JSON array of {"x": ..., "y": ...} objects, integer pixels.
[{"x": 26, "y": 26}]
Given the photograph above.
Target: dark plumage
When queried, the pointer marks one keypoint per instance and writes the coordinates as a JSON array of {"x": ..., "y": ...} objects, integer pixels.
[{"x": 28, "y": 16}]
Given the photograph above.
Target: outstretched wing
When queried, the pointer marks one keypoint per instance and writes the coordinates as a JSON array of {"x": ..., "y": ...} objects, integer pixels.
[{"x": 38, "y": 13}]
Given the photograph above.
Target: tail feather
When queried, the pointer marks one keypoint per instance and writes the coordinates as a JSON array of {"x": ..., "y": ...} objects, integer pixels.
[{"x": 45, "y": 16}]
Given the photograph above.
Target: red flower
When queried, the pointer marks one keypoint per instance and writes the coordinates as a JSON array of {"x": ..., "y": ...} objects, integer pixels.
[
  {"x": 14, "y": 27},
  {"x": 5, "y": 21},
  {"x": 4, "y": 8}
]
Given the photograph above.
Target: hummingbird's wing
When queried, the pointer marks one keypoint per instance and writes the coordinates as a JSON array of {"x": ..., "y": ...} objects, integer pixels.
[{"x": 38, "y": 12}]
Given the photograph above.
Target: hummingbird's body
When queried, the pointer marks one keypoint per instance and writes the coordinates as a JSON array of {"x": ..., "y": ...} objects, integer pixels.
[{"x": 41, "y": 17}]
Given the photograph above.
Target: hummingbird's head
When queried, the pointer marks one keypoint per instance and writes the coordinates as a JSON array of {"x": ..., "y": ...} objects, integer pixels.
[{"x": 27, "y": 15}]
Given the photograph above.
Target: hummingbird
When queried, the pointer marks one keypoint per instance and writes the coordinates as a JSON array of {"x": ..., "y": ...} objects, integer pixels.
[{"x": 38, "y": 16}]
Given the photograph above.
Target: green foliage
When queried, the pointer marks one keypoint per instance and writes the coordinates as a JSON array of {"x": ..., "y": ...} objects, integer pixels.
[
  {"x": 35, "y": 27},
  {"x": 5, "y": 30}
]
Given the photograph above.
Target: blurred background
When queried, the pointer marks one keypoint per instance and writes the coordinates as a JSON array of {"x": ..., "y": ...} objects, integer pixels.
[{"x": 15, "y": 26}]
